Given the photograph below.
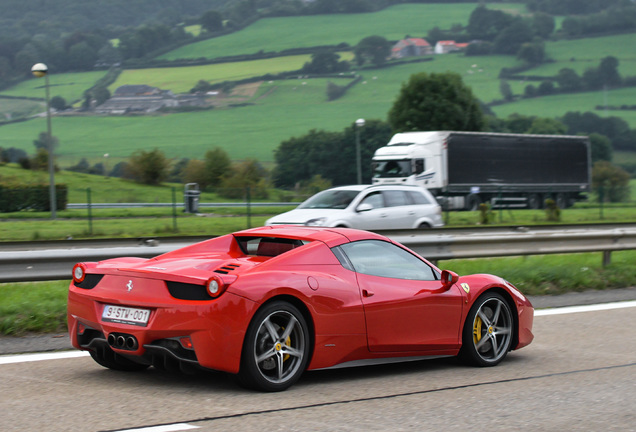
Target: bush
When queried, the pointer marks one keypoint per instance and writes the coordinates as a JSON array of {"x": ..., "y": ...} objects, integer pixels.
[
  {"x": 17, "y": 198},
  {"x": 552, "y": 211}
]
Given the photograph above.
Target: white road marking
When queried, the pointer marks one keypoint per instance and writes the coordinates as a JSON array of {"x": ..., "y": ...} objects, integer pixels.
[
  {"x": 23, "y": 358},
  {"x": 587, "y": 308},
  {"x": 166, "y": 428}
]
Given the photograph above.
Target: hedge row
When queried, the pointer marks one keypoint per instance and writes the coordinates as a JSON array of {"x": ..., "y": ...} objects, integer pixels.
[{"x": 13, "y": 199}]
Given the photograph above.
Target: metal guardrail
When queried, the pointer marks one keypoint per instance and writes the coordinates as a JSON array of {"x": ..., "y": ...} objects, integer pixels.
[
  {"x": 83, "y": 206},
  {"x": 45, "y": 262}
]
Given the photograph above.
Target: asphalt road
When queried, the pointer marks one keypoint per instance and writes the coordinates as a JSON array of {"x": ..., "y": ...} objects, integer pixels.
[{"x": 578, "y": 374}]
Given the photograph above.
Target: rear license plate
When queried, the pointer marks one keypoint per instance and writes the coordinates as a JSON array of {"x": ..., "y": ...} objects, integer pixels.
[{"x": 126, "y": 315}]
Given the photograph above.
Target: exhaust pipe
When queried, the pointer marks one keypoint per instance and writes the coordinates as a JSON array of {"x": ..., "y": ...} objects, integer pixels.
[
  {"x": 131, "y": 343},
  {"x": 123, "y": 341}
]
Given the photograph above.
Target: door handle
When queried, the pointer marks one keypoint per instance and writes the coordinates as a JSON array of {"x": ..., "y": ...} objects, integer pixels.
[{"x": 367, "y": 293}]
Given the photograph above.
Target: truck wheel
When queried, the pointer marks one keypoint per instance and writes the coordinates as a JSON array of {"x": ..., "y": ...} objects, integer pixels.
[
  {"x": 534, "y": 202},
  {"x": 561, "y": 200},
  {"x": 472, "y": 202}
]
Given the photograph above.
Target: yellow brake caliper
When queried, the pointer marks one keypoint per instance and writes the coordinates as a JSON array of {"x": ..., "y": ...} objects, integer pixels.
[
  {"x": 288, "y": 343},
  {"x": 477, "y": 330}
]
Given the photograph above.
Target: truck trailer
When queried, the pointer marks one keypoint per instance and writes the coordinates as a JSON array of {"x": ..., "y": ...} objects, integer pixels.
[{"x": 464, "y": 169}]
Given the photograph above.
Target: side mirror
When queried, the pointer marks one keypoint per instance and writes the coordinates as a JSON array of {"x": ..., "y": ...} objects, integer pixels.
[
  {"x": 364, "y": 207},
  {"x": 449, "y": 278}
]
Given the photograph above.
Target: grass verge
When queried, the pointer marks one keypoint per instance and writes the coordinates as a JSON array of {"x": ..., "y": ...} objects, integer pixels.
[{"x": 40, "y": 307}]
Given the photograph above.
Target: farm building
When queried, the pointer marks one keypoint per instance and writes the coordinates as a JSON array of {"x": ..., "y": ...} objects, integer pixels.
[
  {"x": 145, "y": 99},
  {"x": 411, "y": 47},
  {"x": 448, "y": 46}
]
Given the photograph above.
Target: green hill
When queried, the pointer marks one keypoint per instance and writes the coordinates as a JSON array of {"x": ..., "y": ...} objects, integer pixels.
[
  {"x": 277, "y": 34},
  {"x": 275, "y": 111}
]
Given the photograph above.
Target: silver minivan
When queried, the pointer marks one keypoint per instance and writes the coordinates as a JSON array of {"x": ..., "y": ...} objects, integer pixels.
[{"x": 366, "y": 207}]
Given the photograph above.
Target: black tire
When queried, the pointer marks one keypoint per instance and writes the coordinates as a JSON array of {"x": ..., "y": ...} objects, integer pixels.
[
  {"x": 276, "y": 348},
  {"x": 108, "y": 358},
  {"x": 472, "y": 202},
  {"x": 561, "y": 200},
  {"x": 534, "y": 202},
  {"x": 424, "y": 226},
  {"x": 488, "y": 331}
]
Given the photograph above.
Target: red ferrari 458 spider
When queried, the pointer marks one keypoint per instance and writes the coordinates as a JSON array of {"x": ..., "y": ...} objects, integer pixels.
[{"x": 269, "y": 303}]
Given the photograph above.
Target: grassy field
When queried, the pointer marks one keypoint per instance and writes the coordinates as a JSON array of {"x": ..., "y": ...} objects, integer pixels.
[
  {"x": 70, "y": 86},
  {"x": 182, "y": 79},
  {"x": 580, "y": 54},
  {"x": 557, "y": 105},
  {"x": 291, "y": 108},
  {"x": 277, "y": 34},
  {"x": 17, "y": 108}
]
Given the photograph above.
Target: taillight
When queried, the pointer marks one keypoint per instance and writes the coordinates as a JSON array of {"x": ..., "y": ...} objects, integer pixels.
[
  {"x": 215, "y": 286},
  {"x": 186, "y": 342},
  {"x": 79, "y": 272}
]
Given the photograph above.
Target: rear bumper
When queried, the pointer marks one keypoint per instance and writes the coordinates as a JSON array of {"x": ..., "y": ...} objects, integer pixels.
[{"x": 216, "y": 329}]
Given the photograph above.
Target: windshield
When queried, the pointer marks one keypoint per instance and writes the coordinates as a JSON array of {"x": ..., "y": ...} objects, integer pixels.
[
  {"x": 392, "y": 168},
  {"x": 330, "y": 199}
]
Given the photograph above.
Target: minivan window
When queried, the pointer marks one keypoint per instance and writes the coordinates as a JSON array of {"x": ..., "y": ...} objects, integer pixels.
[
  {"x": 330, "y": 199},
  {"x": 418, "y": 197},
  {"x": 395, "y": 198}
]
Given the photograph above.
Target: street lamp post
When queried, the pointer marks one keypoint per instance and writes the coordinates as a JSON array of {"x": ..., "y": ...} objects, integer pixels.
[
  {"x": 41, "y": 70},
  {"x": 359, "y": 125}
]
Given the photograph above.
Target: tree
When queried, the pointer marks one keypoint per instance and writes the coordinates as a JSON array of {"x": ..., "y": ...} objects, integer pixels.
[
  {"x": 510, "y": 40},
  {"x": 177, "y": 171},
  {"x": 81, "y": 57},
  {"x": 41, "y": 142},
  {"x": 592, "y": 79},
  {"x": 506, "y": 90},
  {"x": 331, "y": 155},
  {"x": 194, "y": 172},
  {"x": 101, "y": 95},
  {"x": 608, "y": 71},
  {"x": 202, "y": 86},
  {"x": 58, "y": 103},
  {"x": 610, "y": 182},
  {"x": 247, "y": 174},
  {"x": 601, "y": 147},
  {"x": 217, "y": 165},
  {"x": 517, "y": 123},
  {"x": 545, "y": 88},
  {"x": 325, "y": 62},
  {"x": 569, "y": 80},
  {"x": 546, "y": 126},
  {"x": 529, "y": 91},
  {"x": 486, "y": 24},
  {"x": 436, "y": 101},
  {"x": 212, "y": 21},
  {"x": 543, "y": 24},
  {"x": 372, "y": 49},
  {"x": 149, "y": 167},
  {"x": 532, "y": 52}
]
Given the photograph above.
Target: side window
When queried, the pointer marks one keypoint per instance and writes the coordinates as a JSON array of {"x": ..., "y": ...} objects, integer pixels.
[
  {"x": 384, "y": 259},
  {"x": 418, "y": 197},
  {"x": 395, "y": 198},
  {"x": 374, "y": 199},
  {"x": 418, "y": 166}
]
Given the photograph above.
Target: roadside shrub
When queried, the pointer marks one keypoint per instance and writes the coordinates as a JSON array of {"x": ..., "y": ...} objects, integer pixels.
[
  {"x": 486, "y": 215},
  {"x": 552, "y": 211}
]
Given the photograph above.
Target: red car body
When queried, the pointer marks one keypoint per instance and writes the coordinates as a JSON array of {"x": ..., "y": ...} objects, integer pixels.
[{"x": 350, "y": 314}]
